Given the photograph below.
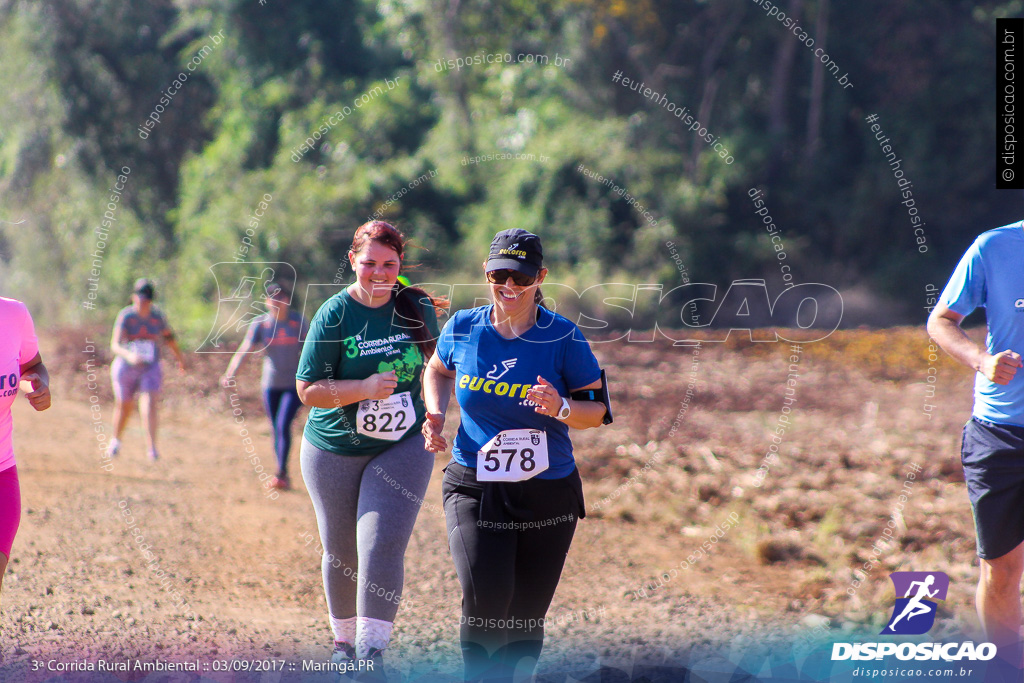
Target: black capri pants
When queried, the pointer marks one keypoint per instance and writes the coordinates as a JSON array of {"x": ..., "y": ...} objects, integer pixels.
[{"x": 509, "y": 541}]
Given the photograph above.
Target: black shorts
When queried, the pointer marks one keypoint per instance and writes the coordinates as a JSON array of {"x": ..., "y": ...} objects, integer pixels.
[{"x": 993, "y": 460}]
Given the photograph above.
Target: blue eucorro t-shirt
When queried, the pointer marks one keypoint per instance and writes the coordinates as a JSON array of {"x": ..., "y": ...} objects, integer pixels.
[
  {"x": 991, "y": 275},
  {"x": 493, "y": 375}
]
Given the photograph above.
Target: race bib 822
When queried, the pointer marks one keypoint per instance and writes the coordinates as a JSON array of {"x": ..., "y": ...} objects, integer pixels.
[{"x": 388, "y": 419}]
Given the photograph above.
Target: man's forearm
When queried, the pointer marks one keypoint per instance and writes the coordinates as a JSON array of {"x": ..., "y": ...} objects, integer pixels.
[
  {"x": 39, "y": 369},
  {"x": 954, "y": 341}
]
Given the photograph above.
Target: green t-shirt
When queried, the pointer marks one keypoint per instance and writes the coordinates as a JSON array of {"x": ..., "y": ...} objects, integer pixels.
[{"x": 348, "y": 340}]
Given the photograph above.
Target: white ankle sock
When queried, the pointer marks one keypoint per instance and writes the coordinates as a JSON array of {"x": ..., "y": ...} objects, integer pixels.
[
  {"x": 344, "y": 630},
  {"x": 372, "y": 633}
]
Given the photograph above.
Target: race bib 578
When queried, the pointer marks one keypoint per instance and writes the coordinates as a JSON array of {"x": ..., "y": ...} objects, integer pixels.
[{"x": 513, "y": 455}]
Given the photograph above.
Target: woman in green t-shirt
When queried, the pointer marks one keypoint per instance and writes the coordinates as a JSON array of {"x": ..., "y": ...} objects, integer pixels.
[{"x": 364, "y": 467}]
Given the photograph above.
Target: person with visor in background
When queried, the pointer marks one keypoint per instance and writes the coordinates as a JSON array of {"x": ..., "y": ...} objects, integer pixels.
[
  {"x": 136, "y": 370},
  {"x": 279, "y": 334}
]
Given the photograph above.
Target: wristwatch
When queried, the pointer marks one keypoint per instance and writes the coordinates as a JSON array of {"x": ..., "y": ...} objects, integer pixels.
[{"x": 564, "y": 412}]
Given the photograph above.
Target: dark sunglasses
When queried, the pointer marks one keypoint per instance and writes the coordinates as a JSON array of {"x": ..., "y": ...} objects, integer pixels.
[{"x": 501, "y": 276}]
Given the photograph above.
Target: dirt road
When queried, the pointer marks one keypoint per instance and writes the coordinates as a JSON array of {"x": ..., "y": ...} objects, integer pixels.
[{"x": 240, "y": 570}]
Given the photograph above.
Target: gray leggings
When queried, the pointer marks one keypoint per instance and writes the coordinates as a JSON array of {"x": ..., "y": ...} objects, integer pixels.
[{"x": 365, "y": 509}]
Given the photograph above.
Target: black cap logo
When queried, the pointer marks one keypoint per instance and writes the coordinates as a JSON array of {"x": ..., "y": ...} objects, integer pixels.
[{"x": 516, "y": 249}]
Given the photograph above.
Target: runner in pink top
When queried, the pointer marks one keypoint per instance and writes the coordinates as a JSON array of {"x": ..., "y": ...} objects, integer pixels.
[{"x": 20, "y": 365}]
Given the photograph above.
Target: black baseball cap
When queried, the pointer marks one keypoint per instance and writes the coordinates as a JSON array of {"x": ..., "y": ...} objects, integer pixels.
[
  {"x": 277, "y": 290},
  {"x": 516, "y": 249},
  {"x": 143, "y": 288}
]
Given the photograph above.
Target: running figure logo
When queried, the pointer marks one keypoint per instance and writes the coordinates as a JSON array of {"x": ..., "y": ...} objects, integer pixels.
[
  {"x": 241, "y": 290},
  {"x": 506, "y": 364},
  {"x": 914, "y": 613}
]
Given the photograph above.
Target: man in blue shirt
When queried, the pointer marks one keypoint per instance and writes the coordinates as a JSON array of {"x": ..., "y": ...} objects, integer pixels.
[{"x": 991, "y": 275}]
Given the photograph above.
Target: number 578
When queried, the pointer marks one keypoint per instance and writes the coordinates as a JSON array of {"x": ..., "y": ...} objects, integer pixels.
[{"x": 492, "y": 462}]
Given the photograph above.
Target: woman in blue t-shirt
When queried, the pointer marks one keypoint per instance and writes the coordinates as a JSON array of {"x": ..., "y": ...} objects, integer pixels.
[
  {"x": 279, "y": 333},
  {"x": 512, "y": 492}
]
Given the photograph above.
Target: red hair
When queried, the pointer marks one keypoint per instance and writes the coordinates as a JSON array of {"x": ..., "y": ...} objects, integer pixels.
[
  {"x": 406, "y": 298},
  {"x": 381, "y": 232}
]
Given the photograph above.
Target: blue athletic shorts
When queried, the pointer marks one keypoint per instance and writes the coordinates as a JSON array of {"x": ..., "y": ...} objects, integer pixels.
[{"x": 993, "y": 460}]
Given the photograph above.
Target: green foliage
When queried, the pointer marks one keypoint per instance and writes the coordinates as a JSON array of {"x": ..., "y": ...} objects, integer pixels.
[{"x": 343, "y": 109}]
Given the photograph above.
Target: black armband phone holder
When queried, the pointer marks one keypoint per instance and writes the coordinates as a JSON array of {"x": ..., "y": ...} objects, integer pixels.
[{"x": 600, "y": 394}]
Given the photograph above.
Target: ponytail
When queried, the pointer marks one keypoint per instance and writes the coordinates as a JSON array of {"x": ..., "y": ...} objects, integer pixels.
[{"x": 407, "y": 307}]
